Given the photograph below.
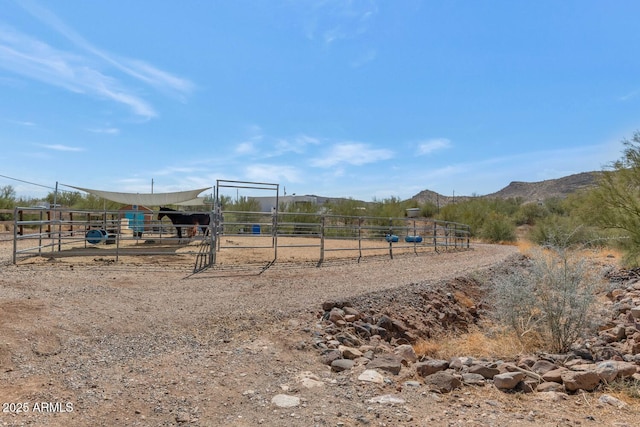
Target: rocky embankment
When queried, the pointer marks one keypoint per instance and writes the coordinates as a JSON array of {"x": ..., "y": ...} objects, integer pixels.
[{"x": 380, "y": 343}]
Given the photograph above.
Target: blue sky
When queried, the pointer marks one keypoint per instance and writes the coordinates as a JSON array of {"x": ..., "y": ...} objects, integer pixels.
[{"x": 363, "y": 98}]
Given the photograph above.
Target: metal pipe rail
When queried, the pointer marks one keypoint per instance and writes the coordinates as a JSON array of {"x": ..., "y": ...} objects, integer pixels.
[
  {"x": 66, "y": 232},
  {"x": 108, "y": 234}
]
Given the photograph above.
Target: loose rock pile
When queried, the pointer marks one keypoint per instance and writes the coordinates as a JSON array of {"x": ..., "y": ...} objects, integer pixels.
[
  {"x": 619, "y": 337},
  {"x": 380, "y": 343}
]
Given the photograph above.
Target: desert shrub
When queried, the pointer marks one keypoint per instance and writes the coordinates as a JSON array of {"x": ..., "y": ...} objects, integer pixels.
[
  {"x": 345, "y": 207},
  {"x": 428, "y": 210},
  {"x": 477, "y": 212},
  {"x": 472, "y": 213},
  {"x": 300, "y": 218},
  {"x": 479, "y": 341},
  {"x": 550, "y": 300},
  {"x": 7, "y": 201},
  {"x": 65, "y": 198},
  {"x": 558, "y": 205},
  {"x": 561, "y": 232},
  {"x": 530, "y": 213},
  {"x": 629, "y": 387},
  {"x": 498, "y": 228},
  {"x": 246, "y": 204},
  {"x": 391, "y": 207}
]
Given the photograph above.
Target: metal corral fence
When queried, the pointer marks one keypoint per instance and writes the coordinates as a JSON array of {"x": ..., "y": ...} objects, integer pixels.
[
  {"x": 228, "y": 237},
  {"x": 328, "y": 233},
  {"x": 67, "y": 233}
]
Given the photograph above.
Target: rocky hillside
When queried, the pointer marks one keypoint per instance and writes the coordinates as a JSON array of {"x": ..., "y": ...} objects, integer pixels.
[
  {"x": 527, "y": 191},
  {"x": 561, "y": 187}
]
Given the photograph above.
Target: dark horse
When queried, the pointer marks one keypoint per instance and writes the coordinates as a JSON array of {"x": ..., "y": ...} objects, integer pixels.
[{"x": 179, "y": 220}]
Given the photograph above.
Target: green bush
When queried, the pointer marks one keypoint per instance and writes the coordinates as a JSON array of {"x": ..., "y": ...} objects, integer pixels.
[
  {"x": 428, "y": 210},
  {"x": 552, "y": 299},
  {"x": 564, "y": 232},
  {"x": 498, "y": 228},
  {"x": 530, "y": 213}
]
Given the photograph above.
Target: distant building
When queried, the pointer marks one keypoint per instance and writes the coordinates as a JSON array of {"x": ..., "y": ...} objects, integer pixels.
[{"x": 268, "y": 204}]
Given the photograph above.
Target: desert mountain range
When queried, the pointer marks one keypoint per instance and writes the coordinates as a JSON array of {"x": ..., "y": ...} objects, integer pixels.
[{"x": 527, "y": 191}]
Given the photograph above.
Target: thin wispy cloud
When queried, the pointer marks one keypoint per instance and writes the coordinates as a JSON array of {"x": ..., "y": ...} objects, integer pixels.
[
  {"x": 79, "y": 73},
  {"x": 22, "y": 123},
  {"x": 138, "y": 105},
  {"x": 26, "y": 56},
  {"x": 297, "y": 144},
  {"x": 252, "y": 143},
  {"x": 245, "y": 147},
  {"x": 431, "y": 145},
  {"x": 107, "y": 131},
  {"x": 133, "y": 67},
  {"x": 334, "y": 20},
  {"x": 155, "y": 77},
  {"x": 273, "y": 173},
  {"x": 171, "y": 170},
  {"x": 60, "y": 147},
  {"x": 628, "y": 96},
  {"x": 356, "y": 154}
]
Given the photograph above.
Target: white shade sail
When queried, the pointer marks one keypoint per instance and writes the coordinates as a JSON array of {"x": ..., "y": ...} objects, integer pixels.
[
  {"x": 145, "y": 199},
  {"x": 198, "y": 201}
]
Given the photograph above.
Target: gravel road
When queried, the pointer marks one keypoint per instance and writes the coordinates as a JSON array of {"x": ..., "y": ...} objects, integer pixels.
[{"x": 153, "y": 344}]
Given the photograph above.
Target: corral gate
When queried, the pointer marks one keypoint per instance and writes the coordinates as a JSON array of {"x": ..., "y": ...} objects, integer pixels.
[{"x": 219, "y": 216}]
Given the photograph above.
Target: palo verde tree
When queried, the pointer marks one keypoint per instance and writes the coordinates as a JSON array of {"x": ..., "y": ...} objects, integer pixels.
[
  {"x": 391, "y": 207},
  {"x": 7, "y": 201},
  {"x": 615, "y": 203},
  {"x": 345, "y": 207},
  {"x": 241, "y": 213},
  {"x": 300, "y": 217},
  {"x": 489, "y": 219}
]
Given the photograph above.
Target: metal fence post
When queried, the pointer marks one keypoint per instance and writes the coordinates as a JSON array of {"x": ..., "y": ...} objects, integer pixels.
[
  {"x": 322, "y": 231},
  {"x": 391, "y": 238}
]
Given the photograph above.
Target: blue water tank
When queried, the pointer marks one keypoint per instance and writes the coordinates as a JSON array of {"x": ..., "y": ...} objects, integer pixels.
[
  {"x": 96, "y": 236},
  {"x": 391, "y": 238},
  {"x": 255, "y": 229},
  {"x": 412, "y": 239}
]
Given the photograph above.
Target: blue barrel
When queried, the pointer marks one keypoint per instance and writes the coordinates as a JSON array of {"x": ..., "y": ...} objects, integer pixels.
[
  {"x": 255, "y": 229},
  {"x": 391, "y": 238},
  {"x": 412, "y": 239},
  {"x": 96, "y": 236}
]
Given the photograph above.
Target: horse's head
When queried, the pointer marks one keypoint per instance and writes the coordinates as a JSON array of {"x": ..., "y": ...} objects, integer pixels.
[{"x": 163, "y": 212}]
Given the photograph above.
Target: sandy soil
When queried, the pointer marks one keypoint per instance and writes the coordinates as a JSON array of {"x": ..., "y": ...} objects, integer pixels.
[{"x": 95, "y": 342}]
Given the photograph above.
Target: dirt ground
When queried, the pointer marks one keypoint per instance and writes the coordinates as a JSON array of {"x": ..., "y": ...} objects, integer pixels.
[{"x": 95, "y": 342}]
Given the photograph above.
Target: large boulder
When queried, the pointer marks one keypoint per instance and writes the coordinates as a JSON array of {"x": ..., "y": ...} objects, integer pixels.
[
  {"x": 580, "y": 380},
  {"x": 406, "y": 353},
  {"x": 543, "y": 366},
  {"x": 386, "y": 362},
  {"x": 508, "y": 380},
  {"x": 430, "y": 367},
  {"x": 487, "y": 372},
  {"x": 340, "y": 365},
  {"x": 442, "y": 382}
]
